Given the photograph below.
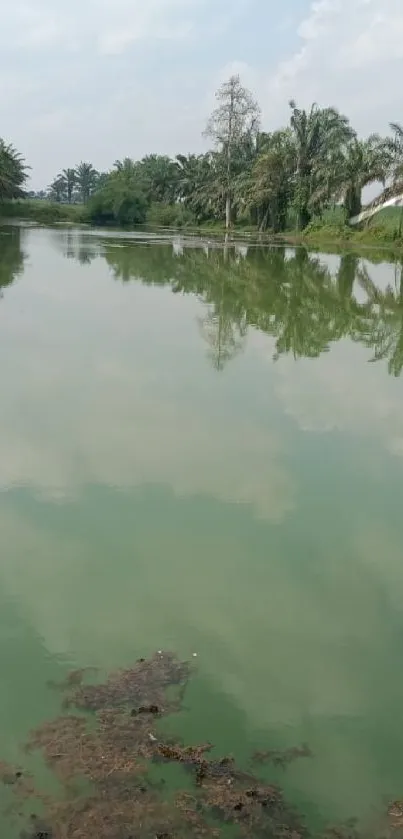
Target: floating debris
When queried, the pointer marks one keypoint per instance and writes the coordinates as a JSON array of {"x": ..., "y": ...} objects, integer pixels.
[
  {"x": 144, "y": 684},
  {"x": 102, "y": 761},
  {"x": 395, "y": 814}
]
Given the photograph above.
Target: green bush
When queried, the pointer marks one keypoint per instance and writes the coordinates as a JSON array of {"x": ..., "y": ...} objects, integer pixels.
[
  {"x": 318, "y": 228},
  {"x": 170, "y": 215},
  {"x": 117, "y": 204}
]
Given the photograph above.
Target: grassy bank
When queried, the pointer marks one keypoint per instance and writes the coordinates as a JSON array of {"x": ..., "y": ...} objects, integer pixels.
[
  {"x": 44, "y": 212},
  {"x": 381, "y": 231},
  {"x": 52, "y": 212}
]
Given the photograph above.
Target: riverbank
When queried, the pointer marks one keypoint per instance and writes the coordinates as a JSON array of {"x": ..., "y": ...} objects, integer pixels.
[
  {"x": 43, "y": 212},
  {"x": 383, "y": 234},
  {"x": 383, "y": 231}
]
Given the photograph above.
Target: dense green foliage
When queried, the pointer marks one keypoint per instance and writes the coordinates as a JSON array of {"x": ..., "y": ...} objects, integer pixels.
[
  {"x": 118, "y": 202},
  {"x": 273, "y": 181},
  {"x": 13, "y": 172},
  {"x": 277, "y": 181}
]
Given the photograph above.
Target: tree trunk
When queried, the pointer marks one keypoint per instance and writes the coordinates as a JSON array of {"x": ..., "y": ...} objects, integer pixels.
[
  {"x": 228, "y": 212},
  {"x": 352, "y": 203},
  {"x": 304, "y": 217}
]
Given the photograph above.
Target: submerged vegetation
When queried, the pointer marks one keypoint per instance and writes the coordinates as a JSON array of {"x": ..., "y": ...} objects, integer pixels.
[
  {"x": 108, "y": 752},
  {"x": 275, "y": 181}
]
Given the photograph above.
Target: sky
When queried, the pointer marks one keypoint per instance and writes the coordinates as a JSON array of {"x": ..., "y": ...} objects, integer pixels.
[{"x": 99, "y": 80}]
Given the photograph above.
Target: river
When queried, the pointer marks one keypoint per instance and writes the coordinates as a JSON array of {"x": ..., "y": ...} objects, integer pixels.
[{"x": 201, "y": 450}]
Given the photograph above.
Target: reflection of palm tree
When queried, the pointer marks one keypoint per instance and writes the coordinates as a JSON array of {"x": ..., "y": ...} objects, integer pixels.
[
  {"x": 224, "y": 337},
  {"x": 11, "y": 257},
  {"x": 347, "y": 274},
  {"x": 85, "y": 255},
  {"x": 304, "y": 322},
  {"x": 386, "y": 333},
  {"x": 69, "y": 245},
  {"x": 293, "y": 298}
]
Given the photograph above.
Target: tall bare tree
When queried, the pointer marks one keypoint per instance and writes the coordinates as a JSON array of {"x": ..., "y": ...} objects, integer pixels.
[{"x": 235, "y": 119}]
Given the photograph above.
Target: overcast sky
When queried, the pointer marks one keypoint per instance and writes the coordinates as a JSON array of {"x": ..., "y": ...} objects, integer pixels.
[{"x": 103, "y": 79}]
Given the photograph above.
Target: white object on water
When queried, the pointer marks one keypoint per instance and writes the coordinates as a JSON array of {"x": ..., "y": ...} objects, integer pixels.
[
  {"x": 194, "y": 655},
  {"x": 152, "y": 738}
]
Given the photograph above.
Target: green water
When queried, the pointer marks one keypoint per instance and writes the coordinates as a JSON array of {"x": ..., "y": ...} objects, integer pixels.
[{"x": 196, "y": 454}]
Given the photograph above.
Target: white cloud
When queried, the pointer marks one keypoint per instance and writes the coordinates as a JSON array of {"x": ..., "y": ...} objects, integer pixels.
[
  {"x": 104, "y": 25},
  {"x": 156, "y": 20},
  {"x": 349, "y": 56}
]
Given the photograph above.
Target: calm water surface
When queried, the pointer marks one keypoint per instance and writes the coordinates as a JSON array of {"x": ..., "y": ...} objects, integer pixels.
[{"x": 203, "y": 451}]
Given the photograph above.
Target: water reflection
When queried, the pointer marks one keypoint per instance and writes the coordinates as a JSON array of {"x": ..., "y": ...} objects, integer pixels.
[
  {"x": 148, "y": 502},
  {"x": 294, "y": 298},
  {"x": 290, "y": 295},
  {"x": 129, "y": 398},
  {"x": 386, "y": 328},
  {"x": 11, "y": 257}
]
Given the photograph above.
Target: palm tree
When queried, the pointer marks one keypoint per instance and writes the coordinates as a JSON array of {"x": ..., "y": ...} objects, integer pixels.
[
  {"x": 199, "y": 184},
  {"x": 13, "y": 172},
  {"x": 86, "y": 178},
  {"x": 268, "y": 188},
  {"x": 318, "y": 135},
  {"x": 188, "y": 171},
  {"x": 127, "y": 167},
  {"x": 70, "y": 178},
  {"x": 57, "y": 189},
  {"x": 396, "y": 148},
  {"x": 360, "y": 163},
  {"x": 159, "y": 175},
  {"x": 393, "y": 151}
]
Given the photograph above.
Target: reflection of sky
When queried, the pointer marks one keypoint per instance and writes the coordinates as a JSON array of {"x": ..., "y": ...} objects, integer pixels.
[
  {"x": 343, "y": 393},
  {"x": 129, "y": 397},
  {"x": 151, "y": 502}
]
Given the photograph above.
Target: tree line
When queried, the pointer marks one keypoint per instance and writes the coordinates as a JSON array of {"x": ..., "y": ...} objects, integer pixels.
[{"x": 271, "y": 180}]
